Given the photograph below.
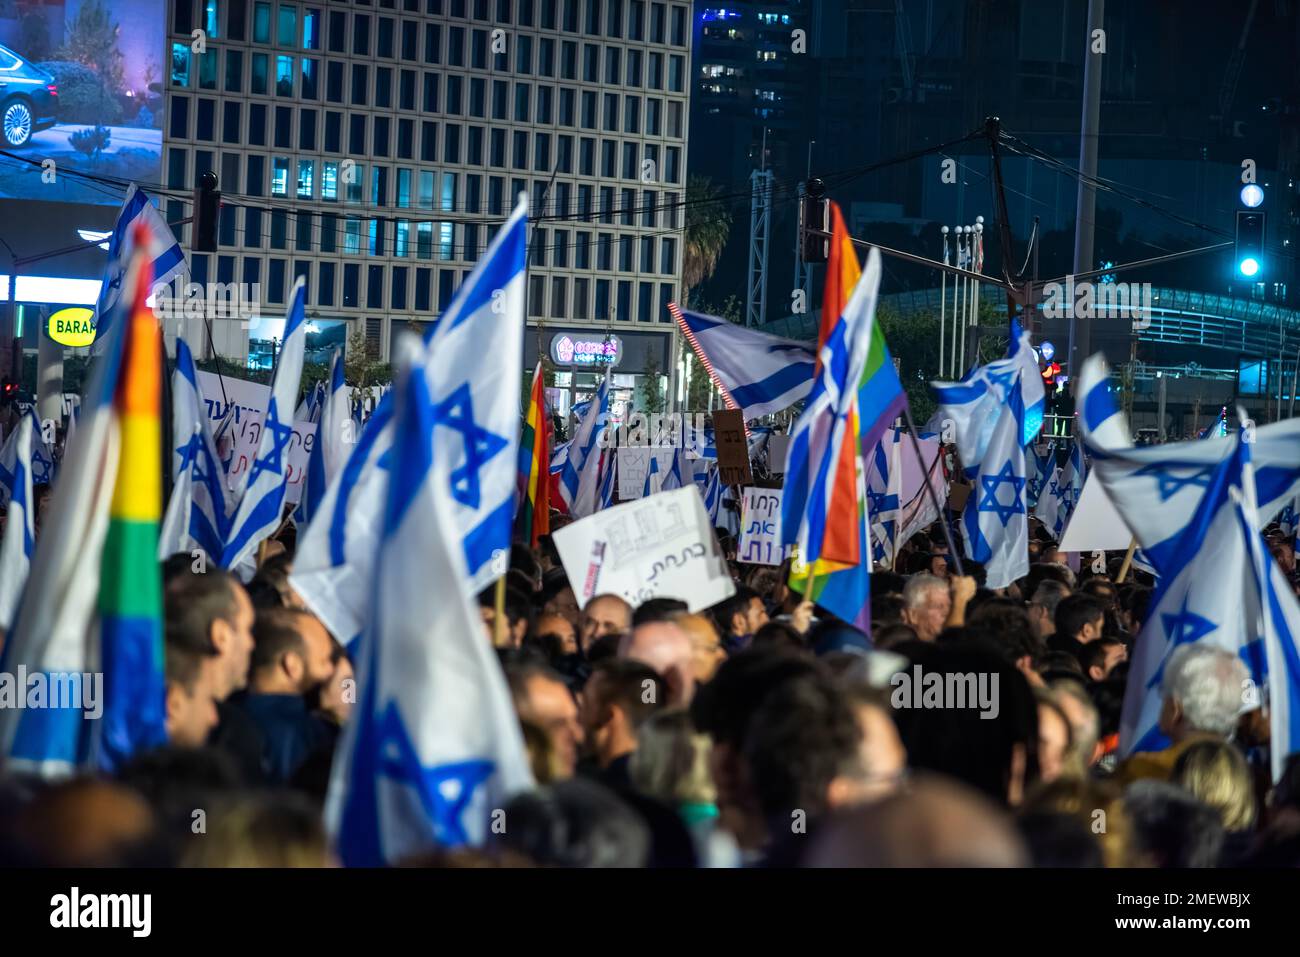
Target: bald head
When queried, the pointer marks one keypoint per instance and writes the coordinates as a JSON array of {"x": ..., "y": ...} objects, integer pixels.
[
  {"x": 936, "y": 822},
  {"x": 604, "y": 615},
  {"x": 665, "y": 647}
]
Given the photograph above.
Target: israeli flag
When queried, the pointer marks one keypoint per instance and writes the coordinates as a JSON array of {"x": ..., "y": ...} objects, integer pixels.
[
  {"x": 609, "y": 468},
  {"x": 1289, "y": 519},
  {"x": 198, "y": 512},
  {"x": 1221, "y": 587},
  {"x": 1057, "y": 501},
  {"x": 680, "y": 473},
  {"x": 709, "y": 482},
  {"x": 755, "y": 372},
  {"x": 476, "y": 389},
  {"x": 652, "y": 484},
  {"x": 433, "y": 746},
  {"x": 995, "y": 412},
  {"x": 1157, "y": 488},
  {"x": 580, "y": 475},
  {"x": 19, "y": 539},
  {"x": 262, "y": 492},
  {"x": 40, "y": 458},
  {"x": 884, "y": 486},
  {"x": 335, "y": 437},
  {"x": 137, "y": 211}
]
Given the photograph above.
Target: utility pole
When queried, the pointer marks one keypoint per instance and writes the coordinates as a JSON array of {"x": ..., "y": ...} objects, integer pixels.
[{"x": 1080, "y": 328}]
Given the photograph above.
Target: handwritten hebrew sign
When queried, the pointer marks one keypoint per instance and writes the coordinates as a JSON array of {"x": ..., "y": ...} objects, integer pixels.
[
  {"x": 244, "y": 403},
  {"x": 760, "y": 527},
  {"x": 661, "y": 546},
  {"x": 634, "y": 463},
  {"x": 733, "y": 447}
]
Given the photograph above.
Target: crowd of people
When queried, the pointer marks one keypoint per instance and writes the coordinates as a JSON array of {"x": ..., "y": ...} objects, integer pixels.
[{"x": 760, "y": 732}]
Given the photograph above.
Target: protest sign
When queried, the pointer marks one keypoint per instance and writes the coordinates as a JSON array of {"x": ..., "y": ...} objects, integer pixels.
[
  {"x": 661, "y": 546},
  {"x": 760, "y": 527},
  {"x": 633, "y": 463},
  {"x": 733, "y": 448}
]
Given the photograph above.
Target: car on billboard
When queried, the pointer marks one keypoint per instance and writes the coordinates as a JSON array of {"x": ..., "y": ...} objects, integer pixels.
[{"x": 29, "y": 99}]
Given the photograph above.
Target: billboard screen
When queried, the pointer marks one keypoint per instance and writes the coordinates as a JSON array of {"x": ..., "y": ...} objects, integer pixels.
[{"x": 81, "y": 85}]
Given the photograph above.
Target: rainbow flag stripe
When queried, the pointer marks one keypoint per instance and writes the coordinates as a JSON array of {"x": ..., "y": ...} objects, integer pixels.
[
  {"x": 534, "y": 517},
  {"x": 130, "y": 601}
]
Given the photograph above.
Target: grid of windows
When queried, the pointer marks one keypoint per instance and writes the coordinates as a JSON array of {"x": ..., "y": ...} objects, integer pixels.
[{"x": 400, "y": 132}]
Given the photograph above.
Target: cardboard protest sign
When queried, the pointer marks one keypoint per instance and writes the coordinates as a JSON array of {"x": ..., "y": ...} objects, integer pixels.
[
  {"x": 634, "y": 463},
  {"x": 733, "y": 447},
  {"x": 661, "y": 546}
]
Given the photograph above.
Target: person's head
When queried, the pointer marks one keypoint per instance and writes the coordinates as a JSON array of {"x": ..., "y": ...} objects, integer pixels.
[
  {"x": 604, "y": 615},
  {"x": 212, "y": 612},
  {"x": 1085, "y": 727},
  {"x": 263, "y": 830},
  {"x": 1100, "y": 657},
  {"x": 926, "y": 604},
  {"x": 1216, "y": 773},
  {"x": 658, "y": 609},
  {"x": 292, "y": 653},
  {"x": 801, "y": 740},
  {"x": 878, "y": 766},
  {"x": 542, "y": 698},
  {"x": 617, "y": 699},
  {"x": 190, "y": 707},
  {"x": 575, "y": 823},
  {"x": 565, "y": 635},
  {"x": 707, "y": 652},
  {"x": 1202, "y": 691},
  {"x": 1172, "y": 828},
  {"x": 1134, "y": 601},
  {"x": 936, "y": 822},
  {"x": 1054, "y": 737},
  {"x": 1081, "y": 617},
  {"x": 1042, "y": 606},
  {"x": 518, "y": 613},
  {"x": 665, "y": 647},
  {"x": 1102, "y": 589},
  {"x": 742, "y": 614},
  {"x": 724, "y": 710},
  {"x": 557, "y": 596},
  {"x": 1095, "y": 807},
  {"x": 671, "y": 761},
  {"x": 270, "y": 587},
  {"x": 338, "y": 695}
]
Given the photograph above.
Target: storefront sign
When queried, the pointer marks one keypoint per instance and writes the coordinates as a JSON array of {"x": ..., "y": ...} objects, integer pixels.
[
  {"x": 572, "y": 350},
  {"x": 74, "y": 326}
]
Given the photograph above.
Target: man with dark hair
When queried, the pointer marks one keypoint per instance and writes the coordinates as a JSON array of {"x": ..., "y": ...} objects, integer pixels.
[
  {"x": 658, "y": 609},
  {"x": 191, "y": 711},
  {"x": 1100, "y": 657},
  {"x": 519, "y": 614},
  {"x": 618, "y": 698},
  {"x": 541, "y": 697},
  {"x": 210, "y": 613},
  {"x": 1042, "y": 606},
  {"x": 1079, "y": 619},
  {"x": 739, "y": 618},
  {"x": 292, "y": 659}
]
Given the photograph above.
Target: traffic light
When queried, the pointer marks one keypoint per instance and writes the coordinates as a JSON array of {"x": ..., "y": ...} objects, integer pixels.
[
  {"x": 207, "y": 212},
  {"x": 1250, "y": 243},
  {"x": 813, "y": 215}
]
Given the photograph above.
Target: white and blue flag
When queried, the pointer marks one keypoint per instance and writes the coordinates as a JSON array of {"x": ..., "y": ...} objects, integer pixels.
[
  {"x": 652, "y": 484},
  {"x": 169, "y": 261},
  {"x": 608, "y": 483},
  {"x": 995, "y": 412},
  {"x": 1221, "y": 588},
  {"x": 335, "y": 436},
  {"x": 433, "y": 746},
  {"x": 19, "y": 539},
  {"x": 756, "y": 373},
  {"x": 476, "y": 393},
  {"x": 40, "y": 457},
  {"x": 1061, "y": 494},
  {"x": 262, "y": 492},
  {"x": 580, "y": 472},
  {"x": 198, "y": 512}
]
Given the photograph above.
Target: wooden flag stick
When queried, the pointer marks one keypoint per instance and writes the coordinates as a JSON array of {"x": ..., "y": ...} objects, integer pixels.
[
  {"x": 499, "y": 638},
  {"x": 1128, "y": 560}
]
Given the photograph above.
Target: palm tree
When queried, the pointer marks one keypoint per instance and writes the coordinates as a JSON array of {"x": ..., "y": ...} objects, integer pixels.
[{"x": 708, "y": 226}]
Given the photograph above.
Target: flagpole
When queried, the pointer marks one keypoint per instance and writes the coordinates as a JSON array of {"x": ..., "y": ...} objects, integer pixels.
[
  {"x": 1128, "y": 560},
  {"x": 499, "y": 617},
  {"x": 929, "y": 488}
]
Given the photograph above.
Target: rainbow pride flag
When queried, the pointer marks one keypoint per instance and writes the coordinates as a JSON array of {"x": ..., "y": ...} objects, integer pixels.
[
  {"x": 89, "y": 626},
  {"x": 533, "y": 519}
]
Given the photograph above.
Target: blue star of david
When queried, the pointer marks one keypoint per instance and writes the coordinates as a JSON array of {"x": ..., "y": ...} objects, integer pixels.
[
  {"x": 457, "y": 412},
  {"x": 273, "y": 461},
  {"x": 1003, "y": 379},
  {"x": 1170, "y": 485},
  {"x": 1182, "y": 628},
  {"x": 445, "y": 790},
  {"x": 40, "y": 469},
  {"x": 990, "y": 502},
  {"x": 189, "y": 453}
]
